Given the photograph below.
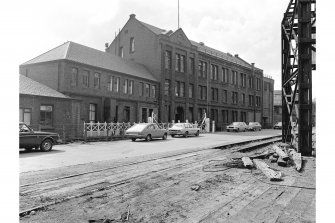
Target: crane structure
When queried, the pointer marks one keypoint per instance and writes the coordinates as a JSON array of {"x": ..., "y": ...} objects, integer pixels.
[{"x": 298, "y": 29}]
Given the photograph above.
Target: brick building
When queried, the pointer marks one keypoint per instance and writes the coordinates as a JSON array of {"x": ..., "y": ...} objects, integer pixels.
[
  {"x": 44, "y": 108},
  {"x": 268, "y": 95},
  {"x": 195, "y": 78},
  {"x": 277, "y": 106},
  {"x": 107, "y": 87}
]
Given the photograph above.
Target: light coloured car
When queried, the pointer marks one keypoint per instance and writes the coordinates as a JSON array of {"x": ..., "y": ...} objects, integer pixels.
[
  {"x": 278, "y": 125},
  {"x": 146, "y": 131},
  {"x": 184, "y": 129},
  {"x": 253, "y": 126},
  {"x": 237, "y": 127}
]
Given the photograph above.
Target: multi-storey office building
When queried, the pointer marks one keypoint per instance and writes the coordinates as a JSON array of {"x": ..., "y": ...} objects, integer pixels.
[
  {"x": 268, "y": 104},
  {"x": 108, "y": 87},
  {"x": 194, "y": 78}
]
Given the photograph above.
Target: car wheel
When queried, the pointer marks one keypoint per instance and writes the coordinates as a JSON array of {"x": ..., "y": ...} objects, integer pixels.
[
  {"x": 185, "y": 134},
  {"x": 260, "y": 129},
  {"x": 197, "y": 134},
  {"x": 164, "y": 136},
  {"x": 133, "y": 139},
  {"x": 227, "y": 130},
  {"x": 46, "y": 145},
  {"x": 148, "y": 138},
  {"x": 172, "y": 136}
]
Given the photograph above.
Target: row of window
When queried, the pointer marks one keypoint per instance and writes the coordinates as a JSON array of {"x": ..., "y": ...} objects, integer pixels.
[
  {"x": 180, "y": 92},
  {"x": 214, "y": 71},
  {"x": 85, "y": 78},
  {"x": 147, "y": 90},
  {"x": 113, "y": 84},
  {"x": 46, "y": 116}
]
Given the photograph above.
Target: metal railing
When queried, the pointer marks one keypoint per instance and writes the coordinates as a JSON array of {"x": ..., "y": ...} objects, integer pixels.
[{"x": 117, "y": 130}]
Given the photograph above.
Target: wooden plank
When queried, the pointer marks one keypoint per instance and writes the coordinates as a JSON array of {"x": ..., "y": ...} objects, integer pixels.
[
  {"x": 269, "y": 173},
  {"x": 296, "y": 157},
  {"x": 263, "y": 155},
  {"x": 247, "y": 162},
  {"x": 280, "y": 152}
]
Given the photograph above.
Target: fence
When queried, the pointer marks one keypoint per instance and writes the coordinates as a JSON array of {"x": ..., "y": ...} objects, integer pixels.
[{"x": 117, "y": 130}]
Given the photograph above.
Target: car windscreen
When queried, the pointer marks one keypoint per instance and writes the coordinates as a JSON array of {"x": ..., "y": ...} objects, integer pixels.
[
  {"x": 235, "y": 123},
  {"x": 138, "y": 127}
]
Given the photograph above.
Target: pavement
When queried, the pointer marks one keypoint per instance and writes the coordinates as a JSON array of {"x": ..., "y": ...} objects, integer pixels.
[{"x": 81, "y": 153}]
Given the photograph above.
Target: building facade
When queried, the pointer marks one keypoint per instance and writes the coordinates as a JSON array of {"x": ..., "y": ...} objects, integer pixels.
[
  {"x": 147, "y": 69},
  {"x": 44, "y": 108},
  {"x": 108, "y": 88},
  {"x": 195, "y": 79},
  {"x": 277, "y": 106},
  {"x": 268, "y": 95}
]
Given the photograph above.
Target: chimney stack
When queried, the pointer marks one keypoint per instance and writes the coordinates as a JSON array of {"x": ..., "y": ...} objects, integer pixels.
[
  {"x": 201, "y": 43},
  {"x": 236, "y": 55},
  {"x": 132, "y": 16},
  {"x": 106, "y": 45}
]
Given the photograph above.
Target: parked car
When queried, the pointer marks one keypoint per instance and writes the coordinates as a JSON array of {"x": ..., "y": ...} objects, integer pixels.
[
  {"x": 278, "y": 125},
  {"x": 30, "y": 139},
  {"x": 146, "y": 131},
  {"x": 237, "y": 126},
  {"x": 184, "y": 129},
  {"x": 253, "y": 126}
]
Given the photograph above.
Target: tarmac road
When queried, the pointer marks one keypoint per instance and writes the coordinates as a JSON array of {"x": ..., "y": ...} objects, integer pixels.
[{"x": 79, "y": 153}]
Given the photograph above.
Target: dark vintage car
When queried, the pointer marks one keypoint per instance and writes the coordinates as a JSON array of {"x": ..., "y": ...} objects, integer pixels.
[{"x": 30, "y": 139}]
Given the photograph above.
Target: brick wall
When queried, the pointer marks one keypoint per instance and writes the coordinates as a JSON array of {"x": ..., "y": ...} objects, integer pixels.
[{"x": 63, "y": 123}]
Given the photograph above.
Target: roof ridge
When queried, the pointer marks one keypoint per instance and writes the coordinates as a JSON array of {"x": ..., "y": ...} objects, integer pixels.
[
  {"x": 47, "y": 51},
  {"x": 68, "y": 49},
  {"x": 147, "y": 24}
]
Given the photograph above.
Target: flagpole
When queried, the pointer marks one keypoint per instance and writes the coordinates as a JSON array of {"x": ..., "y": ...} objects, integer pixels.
[{"x": 178, "y": 14}]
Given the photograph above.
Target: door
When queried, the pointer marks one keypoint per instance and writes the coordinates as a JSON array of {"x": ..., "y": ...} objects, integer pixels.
[{"x": 179, "y": 114}]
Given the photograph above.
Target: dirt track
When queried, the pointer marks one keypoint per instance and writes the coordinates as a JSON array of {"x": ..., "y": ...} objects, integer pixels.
[{"x": 161, "y": 191}]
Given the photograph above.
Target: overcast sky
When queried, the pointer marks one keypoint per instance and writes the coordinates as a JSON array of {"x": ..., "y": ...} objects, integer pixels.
[{"x": 241, "y": 27}]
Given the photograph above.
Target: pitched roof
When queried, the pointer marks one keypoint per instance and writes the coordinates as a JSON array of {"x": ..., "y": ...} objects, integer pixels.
[
  {"x": 86, "y": 55},
  {"x": 219, "y": 54},
  {"x": 201, "y": 48},
  {"x": 31, "y": 87},
  {"x": 154, "y": 29}
]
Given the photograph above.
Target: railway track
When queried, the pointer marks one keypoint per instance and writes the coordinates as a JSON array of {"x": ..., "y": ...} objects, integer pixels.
[{"x": 247, "y": 145}]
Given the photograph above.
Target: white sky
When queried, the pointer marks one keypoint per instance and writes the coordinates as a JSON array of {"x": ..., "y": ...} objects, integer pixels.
[
  {"x": 236, "y": 26},
  {"x": 250, "y": 28}
]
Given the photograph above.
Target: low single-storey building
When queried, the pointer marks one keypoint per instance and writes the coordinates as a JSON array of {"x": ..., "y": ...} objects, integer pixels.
[{"x": 46, "y": 109}]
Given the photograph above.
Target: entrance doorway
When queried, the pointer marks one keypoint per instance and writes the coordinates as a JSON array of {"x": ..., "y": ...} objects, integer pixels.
[{"x": 179, "y": 114}]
